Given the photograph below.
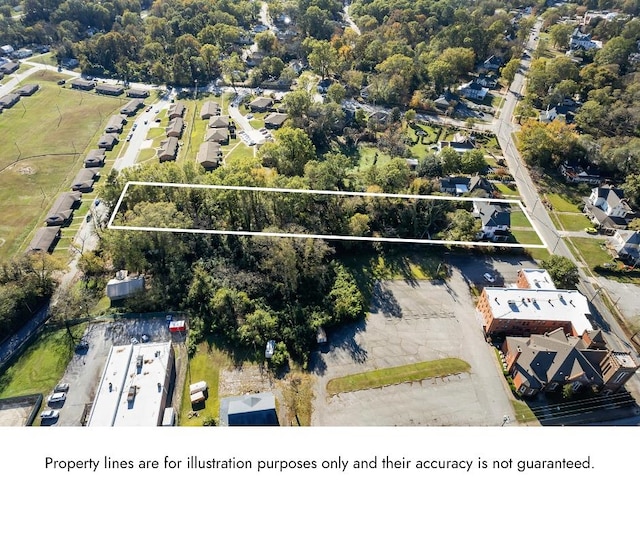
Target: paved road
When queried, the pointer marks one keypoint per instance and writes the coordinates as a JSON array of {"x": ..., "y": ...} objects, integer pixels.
[{"x": 505, "y": 129}]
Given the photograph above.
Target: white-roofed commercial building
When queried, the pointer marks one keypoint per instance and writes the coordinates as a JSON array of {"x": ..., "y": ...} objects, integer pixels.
[{"x": 134, "y": 388}]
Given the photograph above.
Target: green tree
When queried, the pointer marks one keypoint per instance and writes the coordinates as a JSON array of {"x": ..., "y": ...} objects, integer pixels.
[
  {"x": 463, "y": 226},
  {"x": 450, "y": 160},
  {"x": 290, "y": 152},
  {"x": 560, "y": 34},
  {"x": 562, "y": 270},
  {"x": 347, "y": 301},
  {"x": 473, "y": 161}
]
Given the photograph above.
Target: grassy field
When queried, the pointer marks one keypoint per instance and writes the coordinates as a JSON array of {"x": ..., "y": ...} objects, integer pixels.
[
  {"x": 591, "y": 251},
  {"x": 573, "y": 222},
  {"x": 48, "y": 135},
  {"x": 41, "y": 366},
  {"x": 205, "y": 365},
  {"x": 562, "y": 203},
  {"x": 505, "y": 190},
  {"x": 397, "y": 375},
  {"x": 526, "y": 237},
  {"x": 519, "y": 219},
  {"x": 368, "y": 157}
]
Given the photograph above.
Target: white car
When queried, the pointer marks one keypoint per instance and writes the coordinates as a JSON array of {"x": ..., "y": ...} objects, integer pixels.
[
  {"x": 57, "y": 397},
  {"x": 270, "y": 349},
  {"x": 50, "y": 415},
  {"x": 62, "y": 387},
  {"x": 489, "y": 277}
]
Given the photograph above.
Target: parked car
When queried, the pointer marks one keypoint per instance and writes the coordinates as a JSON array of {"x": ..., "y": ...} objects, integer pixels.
[
  {"x": 129, "y": 136},
  {"x": 591, "y": 230},
  {"x": 50, "y": 415},
  {"x": 57, "y": 397},
  {"x": 62, "y": 387},
  {"x": 489, "y": 277},
  {"x": 270, "y": 349}
]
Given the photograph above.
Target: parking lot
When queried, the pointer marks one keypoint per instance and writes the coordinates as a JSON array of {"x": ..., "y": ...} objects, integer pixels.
[
  {"x": 85, "y": 368},
  {"x": 414, "y": 322}
]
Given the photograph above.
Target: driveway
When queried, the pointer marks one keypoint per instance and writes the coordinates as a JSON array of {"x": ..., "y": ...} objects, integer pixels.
[{"x": 414, "y": 322}]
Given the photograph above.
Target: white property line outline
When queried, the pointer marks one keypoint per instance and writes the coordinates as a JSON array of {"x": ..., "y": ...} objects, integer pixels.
[{"x": 111, "y": 225}]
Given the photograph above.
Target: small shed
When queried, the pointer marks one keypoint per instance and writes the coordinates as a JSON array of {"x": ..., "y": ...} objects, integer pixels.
[{"x": 177, "y": 327}]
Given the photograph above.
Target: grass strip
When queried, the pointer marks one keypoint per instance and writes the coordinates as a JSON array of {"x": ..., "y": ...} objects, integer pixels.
[{"x": 397, "y": 375}]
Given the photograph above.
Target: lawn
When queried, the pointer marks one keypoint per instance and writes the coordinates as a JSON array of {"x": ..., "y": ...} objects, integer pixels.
[
  {"x": 205, "y": 365},
  {"x": 591, "y": 251},
  {"x": 41, "y": 366},
  {"x": 397, "y": 375},
  {"x": 519, "y": 219},
  {"x": 370, "y": 155},
  {"x": 526, "y": 237},
  {"x": 562, "y": 203},
  {"x": 523, "y": 412},
  {"x": 505, "y": 190},
  {"x": 49, "y": 134},
  {"x": 573, "y": 222}
]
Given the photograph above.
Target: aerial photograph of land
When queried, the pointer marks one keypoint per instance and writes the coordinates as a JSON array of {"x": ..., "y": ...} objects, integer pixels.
[{"x": 319, "y": 213}]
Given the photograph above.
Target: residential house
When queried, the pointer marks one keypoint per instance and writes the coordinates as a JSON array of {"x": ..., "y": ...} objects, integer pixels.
[
  {"x": 522, "y": 312},
  {"x": 473, "y": 90},
  {"x": 460, "y": 184},
  {"x": 95, "y": 158},
  {"x": 548, "y": 362},
  {"x": 491, "y": 64},
  {"x": 84, "y": 179},
  {"x": 175, "y": 128},
  {"x": 168, "y": 149},
  {"x": 275, "y": 120},
  {"x": 137, "y": 93},
  {"x": 486, "y": 81},
  {"x": 176, "y": 110},
  {"x": 607, "y": 208},
  {"x": 209, "y": 155},
  {"x": 256, "y": 409},
  {"x": 561, "y": 112},
  {"x": 261, "y": 104},
  {"x": 576, "y": 174},
  {"x": 132, "y": 107},
  {"x": 582, "y": 41},
  {"x": 495, "y": 218},
  {"x": 209, "y": 109},
  {"x": 221, "y": 122},
  {"x": 108, "y": 141},
  {"x": 220, "y": 135},
  {"x": 116, "y": 124},
  {"x": 9, "y": 68},
  {"x": 626, "y": 243},
  {"x": 62, "y": 210},
  {"x": 44, "y": 240},
  {"x": 22, "y": 53},
  {"x": 445, "y": 101},
  {"x": 109, "y": 89},
  {"x": 6, "y": 49},
  {"x": 9, "y": 100},
  {"x": 82, "y": 84},
  {"x": 27, "y": 90}
]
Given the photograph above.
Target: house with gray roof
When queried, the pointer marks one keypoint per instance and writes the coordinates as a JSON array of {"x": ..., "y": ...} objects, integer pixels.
[
  {"x": 109, "y": 89},
  {"x": 607, "y": 208},
  {"x": 84, "y": 180},
  {"x": 548, "y": 362},
  {"x": 209, "y": 109},
  {"x": 27, "y": 90},
  {"x": 108, "y": 141},
  {"x": 82, "y": 84},
  {"x": 275, "y": 120},
  {"x": 168, "y": 149},
  {"x": 175, "y": 128},
  {"x": 137, "y": 93},
  {"x": 495, "y": 219},
  {"x": 626, "y": 243},
  {"x": 176, "y": 110},
  {"x": 62, "y": 210},
  {"x": 9, "y": 68},
  {"x": 95, "y": 158},
  {"x": 220, "y": 136},
  {"x": 9, "y": 101},
  {"x": 252, "y": 410},
  {"x": 132, "y": 107},
  {"x": 116, "y": 124},
  {"x": 44, "y": 240},
  {"x": 209, "y": 155},
  {"x": 260, "y": 104}
]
